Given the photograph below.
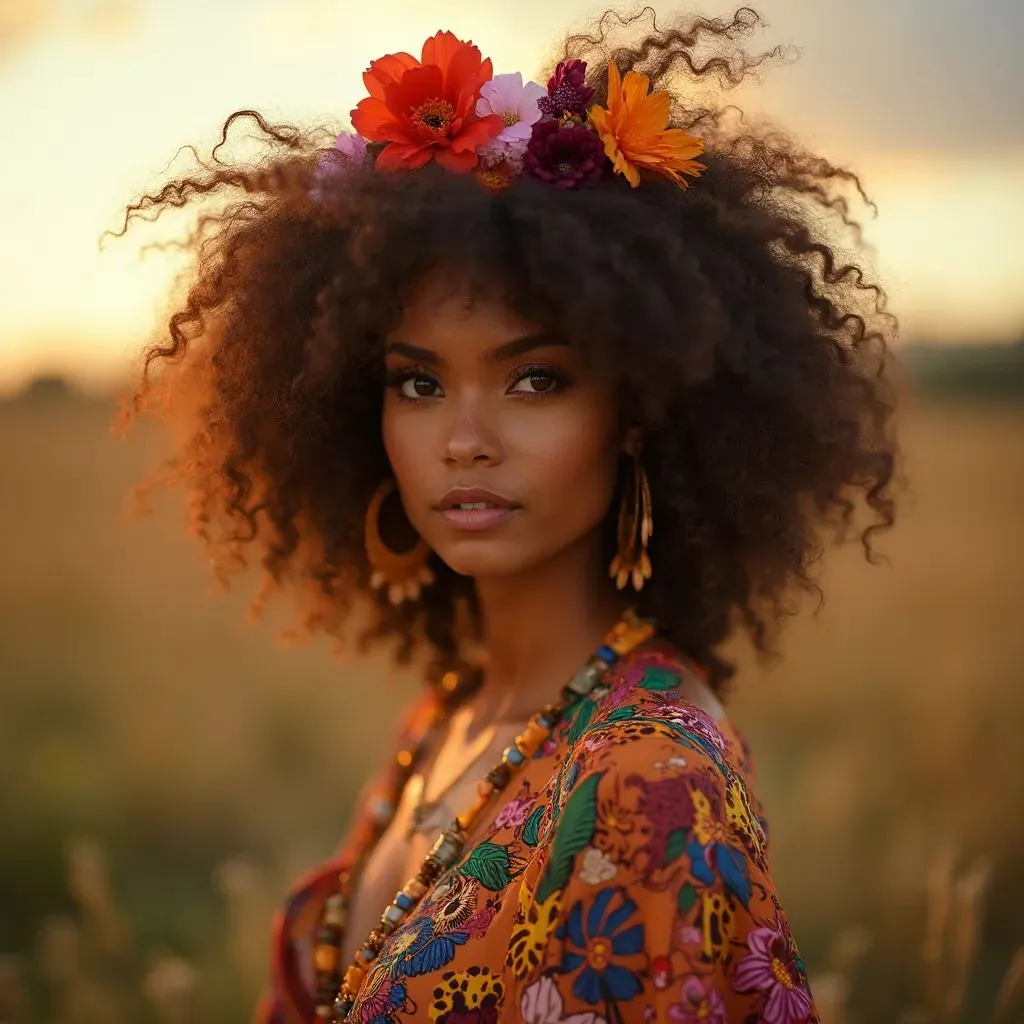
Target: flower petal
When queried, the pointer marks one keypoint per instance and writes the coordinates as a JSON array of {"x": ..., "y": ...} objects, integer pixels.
[
  {"x": 597, "y": 911},
  {"x": 373, "y": 119},
  {"x": 400, "y": 156},
  {"x": 629, "y": 941},
  {"x": 441, "y": 47},
  {"x": 452, "y": 160},
  {"x": 476, "y": 134},
  {"x": 622, "y": 983},
  {"x": 388, "y": 68},
  {"x": 587, "y": 986}
]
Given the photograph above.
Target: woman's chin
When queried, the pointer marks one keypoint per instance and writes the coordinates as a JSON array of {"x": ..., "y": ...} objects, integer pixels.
[{"x": 483, "y": 559}]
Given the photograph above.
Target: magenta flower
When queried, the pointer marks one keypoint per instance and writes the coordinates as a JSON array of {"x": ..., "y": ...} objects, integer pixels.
[
  {"x": 771, "y": 967},
  {"x": 349, "y": 151},
  {"x": 567, "y": 89},
  {"x": 514, "y": 813},
  {"x": 698, "y": 1005},
  {"x": 564, "y": 156}
]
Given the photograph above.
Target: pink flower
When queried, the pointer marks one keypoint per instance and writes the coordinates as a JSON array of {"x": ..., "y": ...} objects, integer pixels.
[
  {"x": 771, "y": 967},
  {"x": 349, "y": 151},
  {"x": 515, "y": 812},
  {"x": 542, "y": 1004},
  {"x": 698, "y": 1005},
  {"x": 514, "y": 102},
  {"x": 692, "y": 719}
]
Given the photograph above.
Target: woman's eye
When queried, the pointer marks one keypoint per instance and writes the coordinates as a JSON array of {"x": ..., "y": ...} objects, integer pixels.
[
  {"x": 536, "y": 384},
  {"x": 418, "y": 387}
]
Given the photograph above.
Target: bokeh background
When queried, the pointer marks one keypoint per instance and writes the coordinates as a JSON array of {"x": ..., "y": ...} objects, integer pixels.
[{"x": 168, "y": 766}]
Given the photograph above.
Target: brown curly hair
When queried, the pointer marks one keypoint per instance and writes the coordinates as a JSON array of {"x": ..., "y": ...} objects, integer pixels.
[{"x": 735, "y": 316}]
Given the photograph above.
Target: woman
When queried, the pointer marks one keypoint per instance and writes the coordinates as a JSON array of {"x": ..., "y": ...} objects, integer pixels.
[{"x": 515, "y": 380}]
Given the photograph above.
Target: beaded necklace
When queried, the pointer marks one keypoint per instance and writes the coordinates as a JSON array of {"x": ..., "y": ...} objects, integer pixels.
[{"x": 335, "y": 994}]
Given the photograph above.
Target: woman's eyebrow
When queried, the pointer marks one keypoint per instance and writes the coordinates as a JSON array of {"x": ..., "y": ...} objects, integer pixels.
[
  {"x": 520, "y": 346},
  {"x": 422, "y": 355}
]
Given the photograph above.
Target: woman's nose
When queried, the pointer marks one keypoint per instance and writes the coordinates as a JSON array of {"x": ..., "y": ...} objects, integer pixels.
[{"x": 472, "y": 440}]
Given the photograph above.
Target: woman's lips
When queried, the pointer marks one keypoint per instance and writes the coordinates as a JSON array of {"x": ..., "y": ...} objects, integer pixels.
[
  {"x": 474, "y": 508},
  {"x": 477, "y": 518}
]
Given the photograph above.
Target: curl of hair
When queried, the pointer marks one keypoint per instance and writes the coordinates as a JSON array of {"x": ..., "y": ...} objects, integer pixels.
[{"x": 735, "y": 316}]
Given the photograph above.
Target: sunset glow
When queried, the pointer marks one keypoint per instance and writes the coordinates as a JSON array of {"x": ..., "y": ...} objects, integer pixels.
[{"x": 98, "y": 97}]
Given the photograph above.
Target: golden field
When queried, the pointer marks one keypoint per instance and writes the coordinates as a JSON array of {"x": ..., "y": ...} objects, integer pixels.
[{"x": 168, "y": 767}]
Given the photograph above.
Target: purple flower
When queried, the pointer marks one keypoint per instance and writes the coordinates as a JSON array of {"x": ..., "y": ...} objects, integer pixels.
[
  {"x": 698, "y": 1005},
  {"x": 567, "y": 89},
  {"x": 349, "y": 150},
  {"x": 771, "y": 967},
  {"x": 564, "y": 156}
]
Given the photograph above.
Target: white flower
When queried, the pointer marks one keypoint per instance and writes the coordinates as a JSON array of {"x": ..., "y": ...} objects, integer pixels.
[
  {"x": 542, "y": 1004},
  {"x": 514, "y": 102},
  {"x": 598, "y": 867}
]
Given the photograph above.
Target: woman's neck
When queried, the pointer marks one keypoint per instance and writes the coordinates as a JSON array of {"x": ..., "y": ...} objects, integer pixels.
[{"x": 542, "y": 625}]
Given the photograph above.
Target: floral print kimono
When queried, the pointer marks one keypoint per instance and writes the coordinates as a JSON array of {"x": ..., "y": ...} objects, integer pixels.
[{"x": 622, "y": 879}]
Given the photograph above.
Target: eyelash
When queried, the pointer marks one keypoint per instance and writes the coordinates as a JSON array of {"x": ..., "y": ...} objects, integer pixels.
[{"x": 395, "y": 379}]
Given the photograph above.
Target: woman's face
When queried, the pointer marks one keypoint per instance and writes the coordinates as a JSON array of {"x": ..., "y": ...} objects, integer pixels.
[{"x": 504, "y": 446}]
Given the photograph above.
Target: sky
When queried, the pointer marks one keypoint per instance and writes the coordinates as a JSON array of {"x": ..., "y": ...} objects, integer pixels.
[{"x": 923, "y": 98}]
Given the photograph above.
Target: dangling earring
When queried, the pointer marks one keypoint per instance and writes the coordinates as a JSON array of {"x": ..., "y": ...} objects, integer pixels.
[
  {"x": 403, "y": 573},
  {"x": 636, "y": 525}
]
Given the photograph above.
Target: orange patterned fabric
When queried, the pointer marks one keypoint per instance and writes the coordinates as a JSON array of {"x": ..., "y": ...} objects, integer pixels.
[{"x": 623, "y": 879}]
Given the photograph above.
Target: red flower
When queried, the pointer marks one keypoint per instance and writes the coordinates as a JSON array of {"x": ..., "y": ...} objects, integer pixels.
[
  {"x": 426, "y": 109},
  {"x": 566, "y": 156},
  {"x": 567, "y": 89}
]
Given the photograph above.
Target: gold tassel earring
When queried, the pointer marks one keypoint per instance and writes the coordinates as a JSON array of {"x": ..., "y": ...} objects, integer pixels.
[
  {"x": 403, "y": 573},
  {"x": 636, "y": 525}
]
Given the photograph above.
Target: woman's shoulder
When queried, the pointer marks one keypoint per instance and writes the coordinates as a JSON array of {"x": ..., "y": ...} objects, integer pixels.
[{"x": 656, "y": 707}]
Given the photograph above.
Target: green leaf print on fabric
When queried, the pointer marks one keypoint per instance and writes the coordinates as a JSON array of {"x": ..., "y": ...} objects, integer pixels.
[
  {"x": 620, "y": 714},
  {"x": 580, "y": 720},
  {"x": 687, "y": 898},
  {"x": 676, "y": 844},
  {"x": 531, "y": 830},
  {"x": 659, "y": 679},
  {"x": 575, "y": 831},
  {"x": 489, "y": 865}
]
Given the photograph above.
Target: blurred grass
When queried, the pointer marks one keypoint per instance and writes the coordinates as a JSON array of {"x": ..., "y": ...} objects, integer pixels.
[{"x": 186, "y": 766}]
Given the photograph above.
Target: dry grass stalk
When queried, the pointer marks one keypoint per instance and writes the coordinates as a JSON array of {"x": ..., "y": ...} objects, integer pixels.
[
  {"x": 1011, "y": 991},
  {"x": 970, "y": 896}
]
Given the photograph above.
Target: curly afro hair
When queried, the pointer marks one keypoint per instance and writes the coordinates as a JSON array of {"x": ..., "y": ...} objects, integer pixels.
[{"x": 735, "y": 317}]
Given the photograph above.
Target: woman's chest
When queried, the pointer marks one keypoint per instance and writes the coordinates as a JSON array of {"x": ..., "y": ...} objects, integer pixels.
[
  {"x": 478, "y": 926},
  {"x": 418, "y": 821}
]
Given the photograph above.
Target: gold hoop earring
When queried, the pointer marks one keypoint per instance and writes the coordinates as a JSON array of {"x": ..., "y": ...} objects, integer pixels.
[
  {"x": 631, "y": 563},
  {"x": 403, "y": 573}
]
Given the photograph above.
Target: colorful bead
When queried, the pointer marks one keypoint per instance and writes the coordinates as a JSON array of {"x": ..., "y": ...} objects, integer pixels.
[
  {"x": 499, "y": 776},
  {"x": 469, "y": 816},
  {"x": 392, "y": 916},
  {"x": 354, "y": 977},
  {"x": 447, "y": 849},
  {"x": 607, "y": 655},
  {"x": 513, "y": 756},
  {"x": 404, "y": 901},
  {"x": 484, "y": 788},
  {"x": 414, "y": 889},
  {"x": 584, "y": 681},
  {"x": 404, "y": 758},
  {"x": 325, "y": 958}
]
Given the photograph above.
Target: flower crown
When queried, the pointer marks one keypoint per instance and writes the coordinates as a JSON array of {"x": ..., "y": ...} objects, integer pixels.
[{"x": 450, "y": 108}]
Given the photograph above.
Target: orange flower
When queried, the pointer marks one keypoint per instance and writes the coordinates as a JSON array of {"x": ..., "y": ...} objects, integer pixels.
[
  {"x": 635, "y": 132},
  {"x": 426, "y": 109}
]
